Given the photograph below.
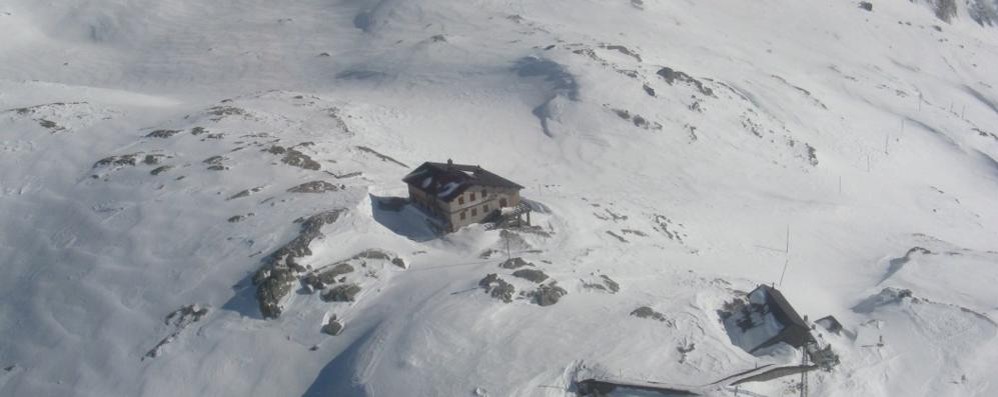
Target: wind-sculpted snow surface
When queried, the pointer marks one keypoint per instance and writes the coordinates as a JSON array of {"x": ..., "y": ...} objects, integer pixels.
[
  {"x": 561, "y": 85},
  {"x": 238, "y": 164}
]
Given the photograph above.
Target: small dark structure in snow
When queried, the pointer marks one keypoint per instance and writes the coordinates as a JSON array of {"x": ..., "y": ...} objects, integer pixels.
[
  {"x": 830, "y": 324},
  {"x": 765, "y": 320},
  {"x": 459, "y": 195}
]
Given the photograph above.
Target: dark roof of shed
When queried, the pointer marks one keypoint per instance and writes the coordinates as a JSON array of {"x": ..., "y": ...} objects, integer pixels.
[
  {"x": 781, "y": 309},
  {"x": 448, "y": 180},
  {"x": 795, "y": 330}
]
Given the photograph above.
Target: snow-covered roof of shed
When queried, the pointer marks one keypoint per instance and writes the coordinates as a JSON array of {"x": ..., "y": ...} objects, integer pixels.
[
  {"x": 448, "y": 180},
  {"x": 778, "y": 305},
  {"x": 765, "y": 321}
]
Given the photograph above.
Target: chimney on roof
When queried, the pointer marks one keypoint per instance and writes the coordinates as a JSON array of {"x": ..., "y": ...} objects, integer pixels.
[{"x": 450, "y": 162}]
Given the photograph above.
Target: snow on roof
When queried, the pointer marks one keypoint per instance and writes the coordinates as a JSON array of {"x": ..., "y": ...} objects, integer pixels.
[
  {"x": 763, "y": 321},
  {"x": 448, "y": 189},
  {"x": 448, "y": 180}
]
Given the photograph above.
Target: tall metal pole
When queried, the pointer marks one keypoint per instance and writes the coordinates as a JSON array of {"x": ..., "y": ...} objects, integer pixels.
[
  {"x": 803, "y": 372},
  {"x": 786, "y": 263}
]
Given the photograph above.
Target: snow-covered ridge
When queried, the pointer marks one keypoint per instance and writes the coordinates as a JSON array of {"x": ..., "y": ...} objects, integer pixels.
[{"x": 206, "y": 198}]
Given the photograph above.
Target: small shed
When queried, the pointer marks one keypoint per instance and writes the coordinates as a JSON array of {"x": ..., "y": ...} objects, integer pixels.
[{"x": 765, "y": 320}]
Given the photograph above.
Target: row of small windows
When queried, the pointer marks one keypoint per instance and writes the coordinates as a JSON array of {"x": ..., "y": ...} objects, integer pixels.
[
  {"x": 474, "y": 212},
  {"x": 460, "y": 199}
]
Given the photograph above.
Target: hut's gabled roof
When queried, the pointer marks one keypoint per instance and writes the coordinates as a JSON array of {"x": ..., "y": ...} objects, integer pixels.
[{"x": 448, "y": 180}]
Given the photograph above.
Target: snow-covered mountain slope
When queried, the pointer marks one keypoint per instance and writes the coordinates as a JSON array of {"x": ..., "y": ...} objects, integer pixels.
[{"x": 161, "y": 161}]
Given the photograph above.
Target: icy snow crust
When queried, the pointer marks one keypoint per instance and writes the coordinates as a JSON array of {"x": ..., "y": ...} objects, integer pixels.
[{"x": 147, "y": 150}]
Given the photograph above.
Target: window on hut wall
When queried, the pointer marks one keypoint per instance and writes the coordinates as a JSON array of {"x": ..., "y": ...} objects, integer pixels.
[
  {"x": 486, "y": 208},
  {"x": 464, "y": 214},
  {"x": 472, "y": 196},
  {"x": 460, "y": 199},
  {"x": 485, "y": 193},
  {"x": 474, "y": 212}
]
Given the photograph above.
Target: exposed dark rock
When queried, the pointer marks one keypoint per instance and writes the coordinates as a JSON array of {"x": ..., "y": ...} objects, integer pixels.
[
  {"x": 333, "y": 327},
  {"x": 295, "y": 158},
  {"x": 341, "y": 293},
  {"x": 160, "y": 169},
  {"x": 198, "y": 130},
  {"x": 162, "y": 133},
  {"x": 322, "y": 279},
  {"x": 123, "y": 160},
  {"x": 314, "y": 187},
  {"x": 616, "y": 236},
  {"x": 236, "y": 218},
  {"x": 9, "y": 368},
  {"x": 623, "y": 50},
  {"x": 648, "y": 90},
  {"x": 51, "y": 125},
  {"x": 399, "y": 262},
  {"x": 514, "y": 263},
  {"x": 647, "y": 312},
  {"x": 612, "y": 285},
  {"x": 275, "y": 278},
  {"x": 665, "y": 225},
  {"x": 151, "y": 159},
  {"x": 179, "y": 320},
  {"x": 671, "y": 76},
  {"x": 615, "y": 216},
  {"x": 866, "y": 5},
  {"x": 272, "y": 285},
  {"x": 622, "y": 114},
  {"x": 497, "y": 287},
  {"x": 374, "y": 254},
  {"x": 534, "y": 275},
  {"x": 945, "y": 9},
  {"x": 223, "y": 111},
  {"x": 634, "y": 232},
  {"x": 186, "y": 315},
  {"x": 605, "y": 284},
  {"x": 245, "y": 193},
  {"x": 298, "y": 247},
  {"x": 548, "y": 294},
  {"x": 812, "y": 155},
  {"x": 215, "y": 163},
  {"x": 637, "y": 119},
  {"x": 346, "y": 175}
]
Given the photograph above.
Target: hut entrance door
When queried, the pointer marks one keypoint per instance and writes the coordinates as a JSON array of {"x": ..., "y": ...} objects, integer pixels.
[{"x": 503, "y": 203}]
